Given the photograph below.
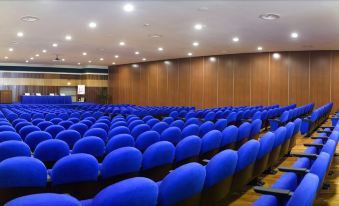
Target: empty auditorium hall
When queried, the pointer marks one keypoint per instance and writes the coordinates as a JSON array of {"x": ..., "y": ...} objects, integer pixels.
[{"x": 169, "y": 103}]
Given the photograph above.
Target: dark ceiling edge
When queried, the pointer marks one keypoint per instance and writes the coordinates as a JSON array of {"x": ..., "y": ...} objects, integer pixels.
[{"x": 53, "y": 70}]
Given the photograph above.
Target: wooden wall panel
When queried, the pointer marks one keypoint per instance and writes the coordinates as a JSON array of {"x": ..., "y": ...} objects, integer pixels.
[
  {"x": 184, "y": 91},
  {"x": 152, "y": 74},
  {"x": 173, "y": 83},
  {"x": 299, "y": 87},
  {"x": 278, "y": 87},
  {"x": 334, "y": 79},
  {"x": 320, "y": 68},
  {"x": 210, "y": 95},
  {"x": 260, "y": 79},
  {"x": 135, "y": 88},
  {"x": 143, "y": 86},
  {"x": 225, "y": 81},
  {"x": 197, "y": 82},
  {"x": 162, "y": 98},
  {"x": 242, "y": 79}
]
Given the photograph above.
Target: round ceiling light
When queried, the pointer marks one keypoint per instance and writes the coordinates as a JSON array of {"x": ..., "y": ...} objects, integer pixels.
[
  {"x": 155, "y": 35},
  {"x": 269, "y": 16},
  {"x": 29, "y": 18}
]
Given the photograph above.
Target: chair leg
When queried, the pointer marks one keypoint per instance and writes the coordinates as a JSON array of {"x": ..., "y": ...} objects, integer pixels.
[
  {"x": 256, "y": 182},
  {"x": 271, "y": 171}
]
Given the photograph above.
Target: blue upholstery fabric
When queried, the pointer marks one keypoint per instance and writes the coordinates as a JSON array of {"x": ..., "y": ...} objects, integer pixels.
[
  {"x": 21, "y": 125},
  {"x": 146, "y": 139},
  {"x": 135, "y": 123},
  {"x": 50, "y": 116},
  {"x": 320, "y": 167},
  {"x": 289, "y": 130},
  {"x": 256, "y": 127},
  {"x": 118, "y": 130},
  {"x": 229, "y": 135},
  {"x": 266, "y": 144},
  {"x": 22, "y": 172},
  {"x": 152, "y": 122},
  {"x": 193, "y": 121},
  {"x": 13, "y": 148},
  {"x": 56, "y": 120},
  {"x": 139, "y": 129},
  {"x": 158, "y": 154},
  {"x": 6, "y": 128},
  {"x": 51, "y": 150},
  {"x": 45, "y": 199},
  {"x": 121, "y": 161},
  {"x": 100, "y": 125},
  {"x": 280, "y": 135},
  {"x": 66, "y": 124},
  {"x": 171, "y": 134},
  {"x": 244, "y": 131},
  {"x": 205, "y": 127},
  {"x": 9, "y": 135},
  {"x": 54, "y": 130},
  {"x": 189, "y": 130},
  {"x": 74, "y": 119},
  {"x": 34, "y": 138},
  {"x": 80, "y": 127},
  {"x": 28, "y": 129},
  {"x": 118, "y": 141},
  {"x": 220, "y": 167},
  {"x": 118, "y": 124},
  {"x": 44, "y": 124},
  {"x": 37, "y": 121},
  {"x": 90, "y": 145},
  {"x": 211, "y": 141},
  {"x": 247, "y": 154},
  {"x": 168, "y": 120},
  {"x": 188, "y": 147},
  {"x": 210, "y": 116},
  {"x": 178, "y": 123},
  {"x": 75, "y": 168},
  {"x": 97, "y": 132},
  {"x": 69, "y": 136},
  {"x": 138, "y": 191},
  {"x": 160, "y": 127},
  {"x": 221, "y": 124},
  {"x": 182, "y": 183}
]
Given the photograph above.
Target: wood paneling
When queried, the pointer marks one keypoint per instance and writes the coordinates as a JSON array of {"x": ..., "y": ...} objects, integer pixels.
[{"x": 238, "y": 79}]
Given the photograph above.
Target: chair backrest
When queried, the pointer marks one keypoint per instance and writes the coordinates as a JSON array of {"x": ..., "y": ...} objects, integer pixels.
[
  {"x": 158, "y": 154},
  {"x": 221, "y": 124},
  {"x": 90, "y": 145},
  {"x": 171, "y": 134},
  {"x": 118, "y": 141},
  {"x": 146, "y": 139},
  {"x": 80, "y": 127},
  {"x": 118, "y": 130},
  {"x": 139, "y": 129},
  {"x": 178, "y": 123},
  {"x": 280, "y": 135},
  {"x": 69, "y": 136},
  {"x": 160, "y": 127},
  {"x": 66, "y": 124},
  {"x": 188, "y": 147},
  {"x": 54, "y": 130},
  {"x": 266, "y": 144},
  {"x": 256, "y": 127},
  {"x": 211, "y": 140},
  {"x": 247, "y": 154},
  {"x": 51, "y": 150},
  {"x": 44, "y": 199},
  {"x": 97, "y": 132},
  {"x": 206, "y": 127},
  {"x": 34, "y": 138},
  {"x": 9, "y": 135},
  {"x": 189, "y": 130},
  {"x": 244, "y": 131},
  {"x": 26, "y": 130},
  {"x": 229, "y": 135},
  {"x": 13, "y": 148},
  {"x": 100, "y": 125}
]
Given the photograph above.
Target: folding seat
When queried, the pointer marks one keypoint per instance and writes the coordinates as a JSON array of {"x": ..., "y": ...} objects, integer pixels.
[
  {"x": 171, "y": 134},
  {"x": 75, "y": 115},
  {"x": 43, "y": 199},
  {"x": 80, "y": 127},
  {"x": 56, "y": 120},
  {"x": 189, "y": 130},
  {"x": 13, "y": 148},
  {"x": 24, "y": 131},
  {"x": 50, "y": 151},
  {"x": 193, "y": 121},
  {"x": 50, "y": 116},
  {"x": 103, "y": 120},
  {"x": 131, "y": 118},
  {"x": 219, "y": 173},
  {"x": 118, "y": 130},
  {"x": 54, "y": 130},
  {"x": 66, "y": 124},
  {"x": 92, "y": 145},
  {"x": 220, "y": 124},
  {"x": 15, "y": 122},
  {"x": 280, "y": 135},
  {"x": 210, "y": 116},
  {"x": 69, "y": 136},
  {"x": 135, "y": 123},
  {"x": 121, "y": 164},
  {"x": 255, "y": 130},
  {"x": 76, "y": 175},
  {"x": 118, "y": 141},
  {"x": 232, "y": 118},
  {"x": 34, "y": 138},
  {"x": 37, "y": 121},
  {"x": 74, "y": 119},
  {"x": 6, "y": 128},
  {"x": 247, "y": 155},
  {"x": 297, "y": 124},
  {"x": 145, "y": 139},
  {"x": 12, "y": 117},
  {"x": 157, "y": 160},
  {"x": 174, "y": 114},
  {"x": 210, "y": 144},
  {"x": 229, "y": 137},
  {"x": 187, "y": 150},
  {"x": 100, "y": 125},
  {"x": 137, "y": 191},
  {"x": 183, "y": 186},
  {"x": 87, "y": 122},
  {"x": 160, "y": 127},
  {"x": 178, "y": 123},
  {"x": 63, "y": 116},
  {"x": 205, "y": 127},
  {"x": 168, "y": 120},
  {"x": 38, "y": 116},
  {"x": 117, "y": 124},
  {"x": 285, "y": 146},
  {"x": 302, "y": 194},
  {"x": 44, "y": 124},
  {"x": 97, "y": 115},
  {"x": 21, "y": 176},
  {"x": 244, "y": 133},
  {"x": 90, "y": 118},
  {"x": 86, "y": 114},
  {"x": 139, "y": 129},
  {"x": 147, "y": 117},
  {"x": 25, "y": 116},
  {"x": 9, "y": 135}
]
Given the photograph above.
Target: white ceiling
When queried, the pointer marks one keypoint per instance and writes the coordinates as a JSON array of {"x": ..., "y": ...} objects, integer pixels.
[{"x": 317, "y": 23}]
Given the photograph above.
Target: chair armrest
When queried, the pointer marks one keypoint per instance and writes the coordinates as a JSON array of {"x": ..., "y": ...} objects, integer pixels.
[
  {"x": 323, "y": 138},
  {"x": 310, "y": 156},
  {"x": 314, "y": 145},
  {"x": 323, "y": 131},
  {"x": 326, "y": 127},
  {"x": 301, "y": 171},
  {"x": 280, "y": 193}
]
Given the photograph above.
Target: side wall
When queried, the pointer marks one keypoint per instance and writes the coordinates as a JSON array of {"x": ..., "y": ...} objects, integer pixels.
[{"x": 238, "y": 79}]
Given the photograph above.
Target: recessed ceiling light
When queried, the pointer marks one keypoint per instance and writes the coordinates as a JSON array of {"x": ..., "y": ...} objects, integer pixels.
[
  {"x": 198, "y": 26},
  {"x": 144, "y": 59},
  {"x": 44, "y": 51},
  {"x": 69, "y": 83},
  {"x": 101, "y": 59},
  {"x": 6, "y": 57},
  {"x": 32, "y": 58},
  {"x": 259, "y": 48},
  {"x": 137, "y": 53},
  {"x": 167, "y": 62},
  {"x": 147, "y": 25},
  {"x": 84, "y": 53},
  {"x": 37, "y": 55},
  {"x": 113, "y": 63},
  {"x": 213, "y": 59},
  {"x": 294, "y": 35},
  {"x": 195, "y": 43},
  {"x": 89, "y": 61},
  {"x": 55, "y": 45},
  {"x": 116, "y": 56},
  {"x": 79, "y": 63},
  {"x": 269, "y": 16},
  {"x": 189, "y": 54},
  {"x": 68, "y": 37},
  {"x": 20, "y": 34},
  {"x": 235, "y": 39},
  {"x": 155, "y": 35},
  {"x": 122, "y": 43},
  {"x": 63, "y": 60},
  {"x": 276, "y": 55},
  {"x": 29, "y": 18},
  {"x": 26, "y": 61},
  {"x": 160, "y": 49},
  {"x": 10, "y": 49},
  {"x": 92, "y": 25},
  {"x": 128, "y": 7},
  {"x": 135, "y": 65}
]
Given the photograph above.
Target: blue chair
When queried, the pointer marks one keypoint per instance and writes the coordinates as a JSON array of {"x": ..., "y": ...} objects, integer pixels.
[
  {"x": 297, "y": 124},
  {"x": 193, "y": 121},
  {"x": 44, "y": 124},
  {"x": 56, "y": 120},
  {"x": 118, "y": 123},
  {"x": 74, "y": 120},
  {"x": 168, "y": 120},
  {"x": 34, "y": 138},
  {"x": 121, "y": 164},
  {"x": 118, "y": 141},
  {"x": 135, "y": 123},
  {"x": 50, "y": 116},
  {"x": 44, "y": 199},
  {"x": 157, "y": 160},
  {"x": 229, "y": 137},
  {"x": 100, "y": 125},
  {"x": 97, "y": 132},
  {"x": 136, "y": 191},
  {"x": 146, "y": 139},
  {"x": 285, "y": 146},
  {"x": 189, "y": 130},
  {"x": 178, "y": 123},
  {"x": 183, "y": 186},
  {"x": 69, "y": 136},
  {"x": 80, "y": 127},
  {"x": 187, "y": 150},
  {"x": 28, "y": 129},
  {"x": 37, "y": 121},
  {"x": 255, "y": 129},
  {"x": 210, "y": 144},
  {"x": 6, "y": 128},
  {"x": 171, "y": 134},
  {"x": 21, "y": 176},
  {"x": 118, "y": 130},
  {"x": 76, "y": 175},
  {"x": 206, "y": 127},
  {"x": 13, "y": 148},
  {"x": 54, "y": 130},
  {"x": 21, "y": 125},
  {"x": 152, "y": 122},
  {"x": 139, "y": 129},
  {"x": 66, "y": 124},
  {"x": 220, "y": 124},
  {"x": 244, "y": 133},
  {"x": 280, "y": 135},
  {"x": 92, "y": 145},
  {"x": 9, "y": 135},
  {"x": 219, "y": 174},
  {"x": 50, "y": 151},
  {"x": 160, "y": 127}
]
